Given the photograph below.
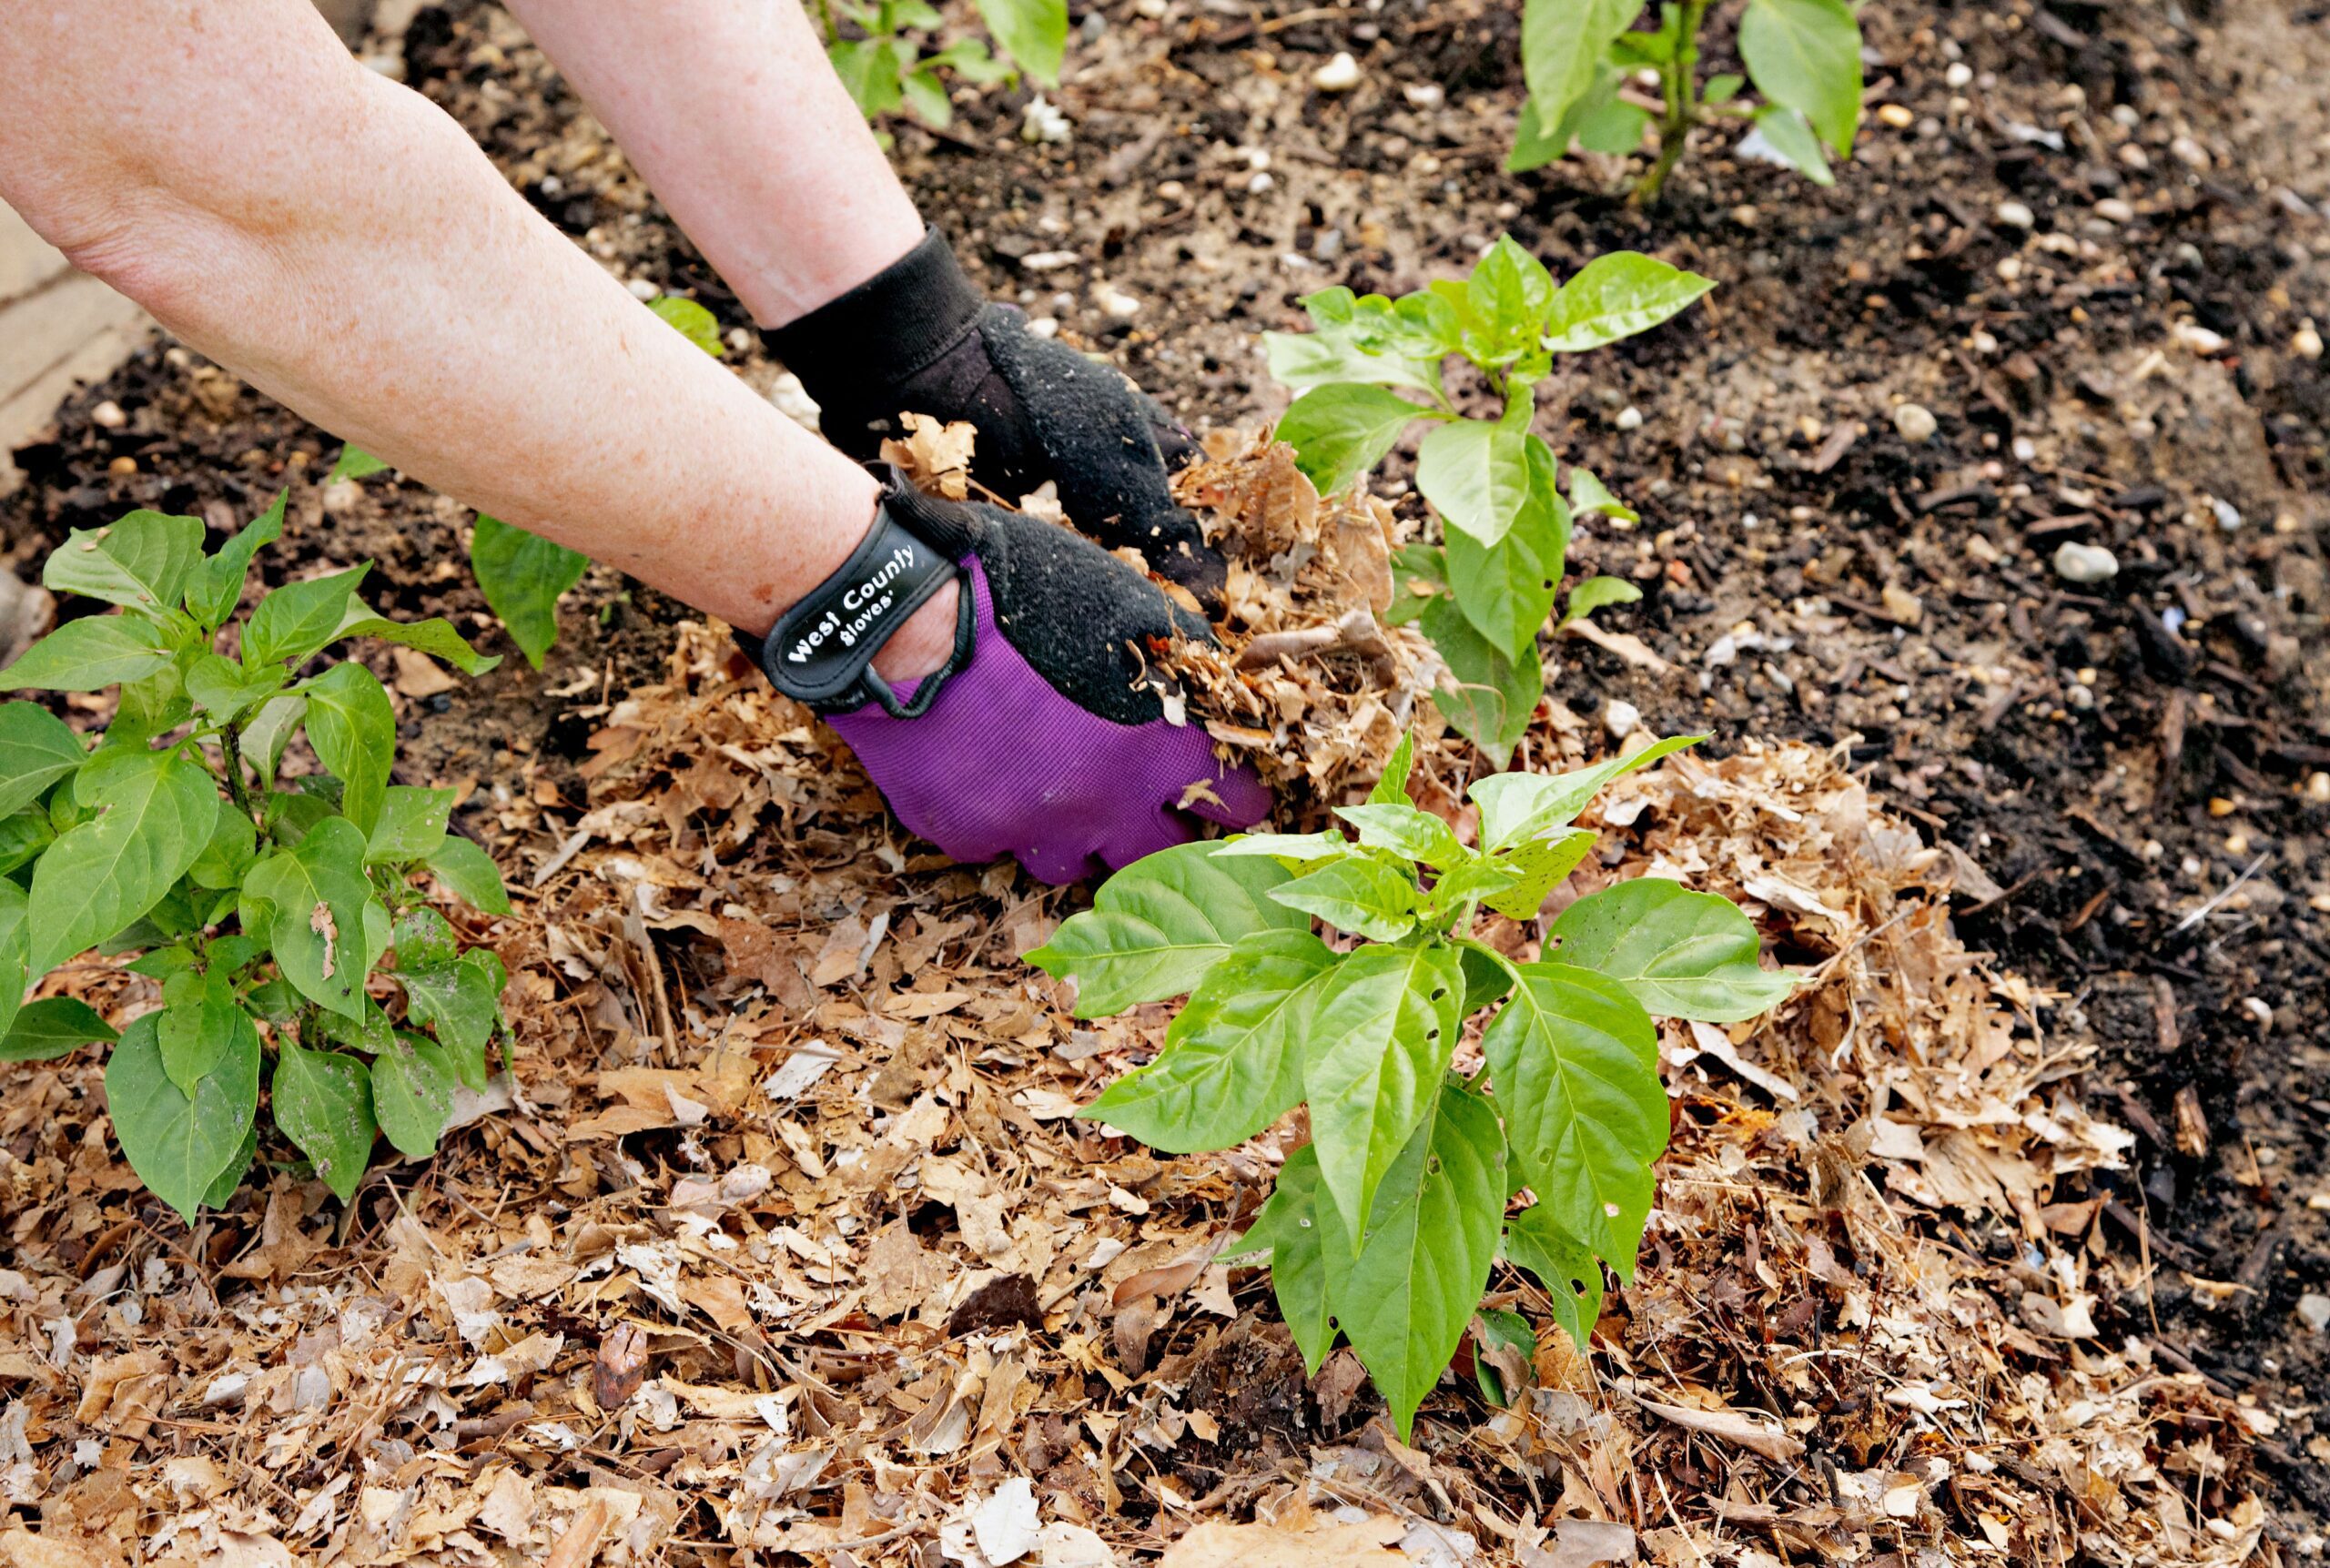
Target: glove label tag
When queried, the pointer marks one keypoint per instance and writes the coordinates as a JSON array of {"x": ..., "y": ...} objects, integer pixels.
[{"x": 821, "y": 649}]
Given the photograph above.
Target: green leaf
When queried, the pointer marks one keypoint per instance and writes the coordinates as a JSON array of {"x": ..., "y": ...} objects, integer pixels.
[
  {"x": 1477, "y": 474},
  {"x": 1507, "y": 1331},
  {"x": 268, "y": 732},
  {"x": 1510, "y": 291},
  {"x": 1574, "y": 1060},
  {"x": 1506, "y": 590},
  {"x": 1684, "y": 954},
  {"x": 224, "y": 688},
  {"x": 1606, "y": 124},
  {"x": 869, "y": 70},
  {"x": 1789, "y": 138},
  {"x": 412, "y": 1093},
  {"x": 1806, "y": 54},
  {"x": 1722, "y": 87},
  {"x": 471, "y": 872},
  {"x": 1294, "y": 850},
  {"x": 93, "y": 652},
  {"x": 24, "y": 834},
  {"x": 1488, "y": 974},
  {"x": 323, "y": 1103},
  {"x": 298, "y": 619},
  {"x": 1391, "y": 784},
  {"x": 1487, "y": 695},
  {"x": 154, "y": 812},
  {"x": 523, "y": 577},
  {"x": 1596, "y": 592},
  {"x": 434, "y": 637},
  {"x": 1289, "y": 1228},
  {"x": 1158, "y": 925},
  {"x": 353, "y": 727},
  {"x": 1563, "y": 1264},
  {"x": 459, "y": 1002},
  {"x": 1588, "y": 494},
  {"x": 180, "y": 1144},
  {"x": 1303, "y": 360},
  {"x": 231, "y": 848},
  {"x": 1385, "y": 1027},
  {"x": 140, "y": 563},
  {"x": 230, "y": 1175},
  {"x": 1232, "y": 1062},
  {"x": 354, "y": 462},
  {"x": 1404, "y": 1286},
  {"x": 215, "y": 587},
  {"x": 1543, "y": 865},
  {"x": 1617, "y": 296},
  {"x": 926, "y": 95},
  {"x": 1341, "y": 431},
  {"x": 16, "y": 950},
  {"x": 36, "y": 749},
  {"x": 1362, "y": 896},
  {"x": 50, "y": 1027},
  {"x": 197, "y": 1025},
  {"x": 316, "y": 925},
  {"x": 1562, "y": 46},
  {"x": 412, "y": 824},
  {"x": 690, "y": 319},
  {"x": 1515, "y": 806},
  {"x": 1406, "y": 832},
  {"x": 1032, "y": 32}
]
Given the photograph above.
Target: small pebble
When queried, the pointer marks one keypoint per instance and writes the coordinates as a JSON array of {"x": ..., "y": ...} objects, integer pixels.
[
  {"x": 1898, "y": 115},
  {"x": 341, "y": 495},
  {"x": 1047, "y": 260},
  {"x": 2112, "y": 209},
  {"x": 2078, "y": 562},
  {"x": 2220, "y": 807},
  {"x": 1621, "y": 718},
  {"x": 790, "y": 398},
  {"x": 2313, "y": 1311},
  {"x": 1114, "y": 302},
  {"x": 2306, "y": 343},
  {"x": 1959, "y": 75},
  {"x": 2198, "y": 338},
  {"x": 2317, "y": 788},
  {"x": 1262, "y": 181},
  {"x": 2189, "y": 153},
  {"x": 1043, "y": 326},
  {"x": 1629, "y": 418},
  {"x": 122, "y": 465},
  {"x": 1916, "y": 422},
  {"x": 2025, "y": 448},
  {"x": 2228, "y": 515},
  {"x": 2015, "y": 214},
  {"x": 108, "y": 416},
  {"x": 1424, "y": 94},
  {"x": 1339, "y": 75},
  {"x": 641, "y": 288}
]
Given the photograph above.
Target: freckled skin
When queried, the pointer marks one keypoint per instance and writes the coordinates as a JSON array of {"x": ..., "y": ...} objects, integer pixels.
[{"x": 336, "y": 240}]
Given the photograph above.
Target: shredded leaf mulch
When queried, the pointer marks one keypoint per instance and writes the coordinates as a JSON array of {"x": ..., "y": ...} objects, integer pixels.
[{"x": 784, "y": 1245}]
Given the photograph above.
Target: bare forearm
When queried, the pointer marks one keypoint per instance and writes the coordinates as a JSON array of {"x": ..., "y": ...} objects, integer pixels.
[{"x": 340, "y": 243}]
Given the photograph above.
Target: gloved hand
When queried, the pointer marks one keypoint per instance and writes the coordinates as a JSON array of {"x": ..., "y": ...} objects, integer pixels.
[
  {"x": 1033, "y": 739},
  {"x": 919, "y": 337}
]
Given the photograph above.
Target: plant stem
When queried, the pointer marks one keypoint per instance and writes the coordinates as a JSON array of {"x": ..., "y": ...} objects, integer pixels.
[
  {"x": 825, "y": 20},
  {"x": 1680, "y": 82},
  {"x": 231, "y": 740}
]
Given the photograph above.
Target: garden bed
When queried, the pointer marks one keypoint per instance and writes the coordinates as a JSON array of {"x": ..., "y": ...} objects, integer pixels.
[{"x": 1990, "y": 1243}]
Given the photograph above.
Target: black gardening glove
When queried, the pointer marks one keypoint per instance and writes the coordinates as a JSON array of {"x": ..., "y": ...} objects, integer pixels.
[{"x": 919, "y": 337}]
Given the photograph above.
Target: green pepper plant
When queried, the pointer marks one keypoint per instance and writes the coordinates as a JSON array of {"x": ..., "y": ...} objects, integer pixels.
[
  {"x": 1484, "y": 594},
  {"x": 1581, "y": 58},
  {"x": 885, "y": 67},
  {"x": 1385, "y": 1227},
  {"x": 250, "y": 897}
]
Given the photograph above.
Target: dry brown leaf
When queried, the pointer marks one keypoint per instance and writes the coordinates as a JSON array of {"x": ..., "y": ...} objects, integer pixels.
[
  {"x": 1732, "y": 1426},
  {"x": 1219, "y": 1545}
]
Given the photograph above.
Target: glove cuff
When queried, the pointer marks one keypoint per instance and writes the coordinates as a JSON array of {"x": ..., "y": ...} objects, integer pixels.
[
  {"x": 856, "y": 349},
  {"x": 822, "y": 650}
]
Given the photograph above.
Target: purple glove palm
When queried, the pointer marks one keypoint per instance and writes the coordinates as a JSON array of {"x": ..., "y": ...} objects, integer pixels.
[
  {"x": 1005, "y": 763},
  {"x": 1033, "y": 740}
]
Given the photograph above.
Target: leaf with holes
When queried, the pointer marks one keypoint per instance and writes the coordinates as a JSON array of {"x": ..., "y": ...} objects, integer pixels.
[{"x": 1387, "y": 1024}]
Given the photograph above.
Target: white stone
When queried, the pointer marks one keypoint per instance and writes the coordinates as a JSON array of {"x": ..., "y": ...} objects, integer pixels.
[
  {"x": 1621, "y": 718},
  {"x": 2189, "y": 153},
  {"x": 641, "y": 288},
  {"x": 1047, "y": 260},
  {"x": 1959, "y": 75},
  {"x": 2077, "y": 563},
  {"x": 2112, "y": 209},
  {"x": 2015, "y": 214},
  {"x": 1629, "y": 418},
  {"x": 2314, "y": 1309},
  {"x": 1114, "y": 302},
  {"x": 1424, "y": 94},
  {"x": 2306, "y": 343},
  {"x": 1916, "y": 422},
  {"x": 108, "y": 416},
  {"x": 1339, "y": 75},
  {"x": 2198, "y": 338},
  {"x": 790, "y": 398}
]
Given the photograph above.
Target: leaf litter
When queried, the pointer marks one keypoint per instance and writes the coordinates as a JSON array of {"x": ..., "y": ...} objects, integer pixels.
[{"x": 785, "y": 1238}]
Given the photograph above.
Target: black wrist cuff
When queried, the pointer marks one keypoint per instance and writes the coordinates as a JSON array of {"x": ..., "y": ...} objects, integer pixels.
[
  {"x": 822, "y": 650},
  {"x": 884, "y": 331}
]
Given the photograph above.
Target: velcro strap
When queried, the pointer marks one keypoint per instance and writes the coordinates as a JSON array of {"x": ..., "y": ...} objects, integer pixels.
[{"x": 822, "y": 650}]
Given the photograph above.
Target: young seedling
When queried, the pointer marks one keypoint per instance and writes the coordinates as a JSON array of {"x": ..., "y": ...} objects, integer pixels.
[
  {"x": 1484, "y": 594},
  {"x": 249, "y": 896},
  {"x": 1385, "y": 1227},
  {"x": 885, "y": 69},
  {"x": 1587, "y": 66}
]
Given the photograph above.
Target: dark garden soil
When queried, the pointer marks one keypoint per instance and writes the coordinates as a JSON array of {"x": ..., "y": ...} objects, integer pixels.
[{"x": 2094, "y": 254}]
